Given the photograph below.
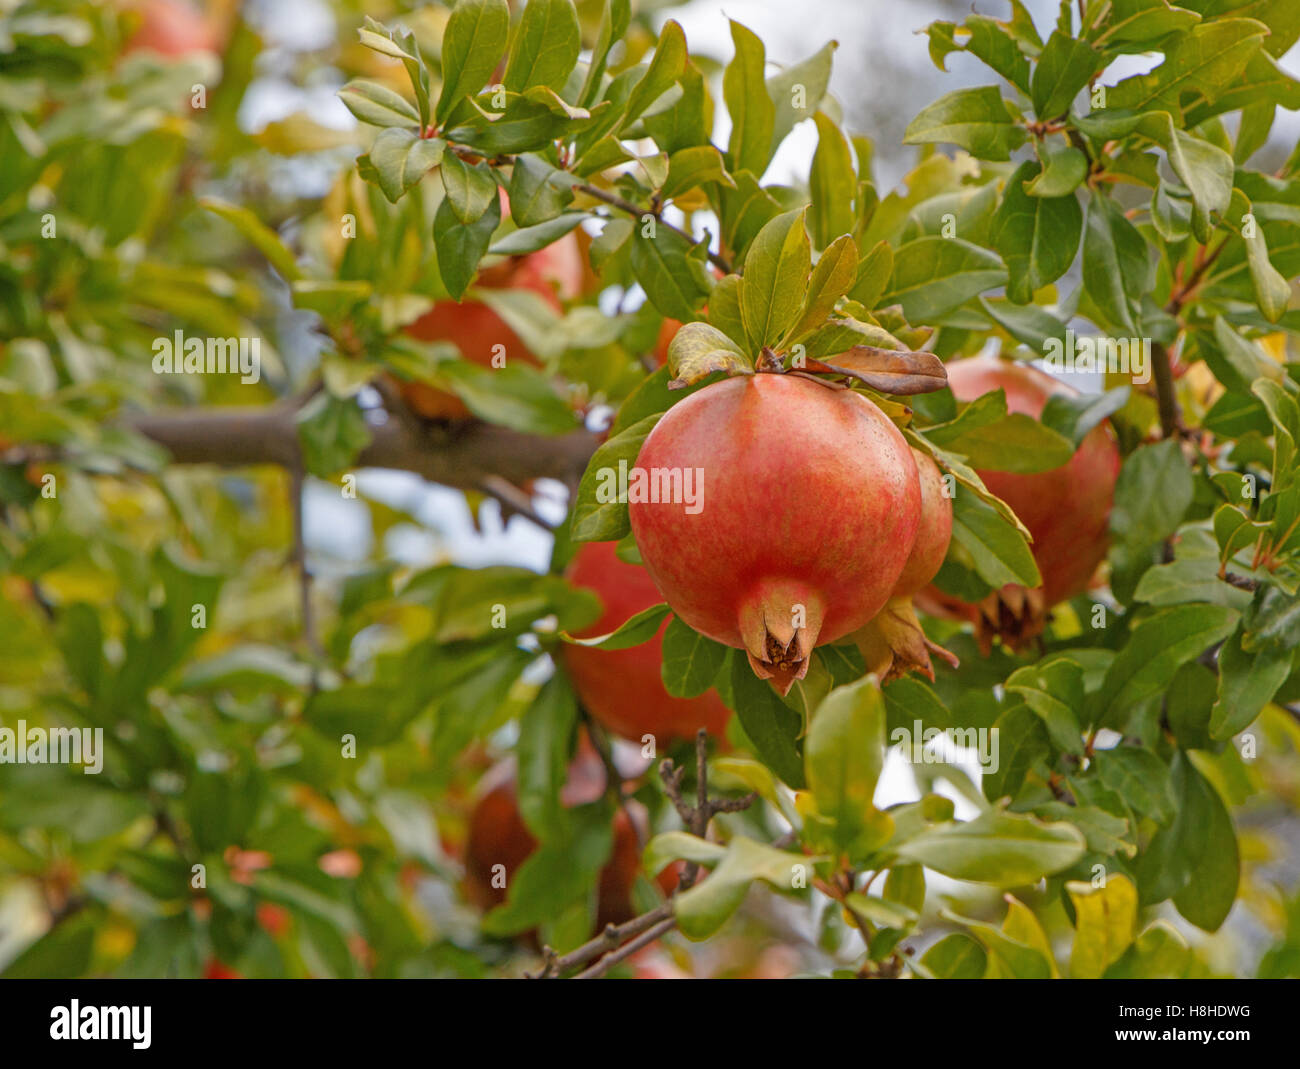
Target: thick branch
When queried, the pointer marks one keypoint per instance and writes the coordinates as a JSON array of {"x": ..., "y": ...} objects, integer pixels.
[{"x": 463, "y": 456}]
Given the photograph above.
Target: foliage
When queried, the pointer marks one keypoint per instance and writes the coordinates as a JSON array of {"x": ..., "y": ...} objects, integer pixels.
[{"x": 1155, "y": 714}]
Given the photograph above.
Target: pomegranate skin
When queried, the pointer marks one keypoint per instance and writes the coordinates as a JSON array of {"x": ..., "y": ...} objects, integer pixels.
[
  {"x": 623, "y": 689},
  {"x": 1067, "y": 510},
  {"x": 934, "y": 532},
  {"x": 810, "y": 506}
]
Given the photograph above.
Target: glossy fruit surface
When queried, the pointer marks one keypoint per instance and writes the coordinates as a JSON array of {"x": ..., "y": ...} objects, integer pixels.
[
  {"x": 806, "y": 506},
  {"x": 624, "y": 689}
]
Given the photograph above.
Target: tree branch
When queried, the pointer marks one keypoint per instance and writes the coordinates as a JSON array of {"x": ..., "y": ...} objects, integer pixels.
[{"x": 464, "y": 456}]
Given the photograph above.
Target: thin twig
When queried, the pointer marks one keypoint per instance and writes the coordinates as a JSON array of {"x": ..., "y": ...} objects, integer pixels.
[{"x": 628, "y": 949}]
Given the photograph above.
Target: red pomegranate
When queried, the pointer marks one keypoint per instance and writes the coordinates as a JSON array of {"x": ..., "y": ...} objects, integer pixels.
[
  {"x": 498, "y": 836},
  {"x": 172, "y": 28},
  {"x": 934, "y": 532},
  {"x": 808, "y": 506},
  {"x": 623, "y": 689},
  {"x": 1066, "y": 510},
  {"x": 893, "y": 643},
  {"x": 555, "y": 273}
]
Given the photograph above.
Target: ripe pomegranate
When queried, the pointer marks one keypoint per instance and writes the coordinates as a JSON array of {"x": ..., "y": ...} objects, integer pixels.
[
  {"x": 172, "y": 28},
  {"x": 216, "y": 969},
  {"x": 623, "y": 689},
  {"x": 893, "y": 643},
  {"x": 498, "y": 836},
  {"x": 555, "y": 273},
  {"x": 1066, "y": 510},
  {"x": 808, "y": 508}
]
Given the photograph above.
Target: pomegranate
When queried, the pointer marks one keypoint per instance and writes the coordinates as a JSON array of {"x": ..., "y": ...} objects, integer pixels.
[
  {"x": 667, "y": 332},
  {"x": 555, "y": 273},
  {"x": 498, "y": 836},
  {"x": 1066, "y": 510},
  {"x": 172, "y": 28},
  {"x": 807, "y": 504},
  {"x": 623, "y": 689},
  {"x": 893, "y": 643}
]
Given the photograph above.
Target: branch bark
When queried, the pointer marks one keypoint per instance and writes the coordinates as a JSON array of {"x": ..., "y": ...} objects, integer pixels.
[{"x": 463, "y": 456}]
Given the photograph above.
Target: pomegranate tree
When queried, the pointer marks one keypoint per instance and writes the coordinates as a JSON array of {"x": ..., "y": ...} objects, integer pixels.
[
  {"x": 810, "y": 506},
  {"x": 1066, "y": 510},
  {"x": 623, "y": 689}
]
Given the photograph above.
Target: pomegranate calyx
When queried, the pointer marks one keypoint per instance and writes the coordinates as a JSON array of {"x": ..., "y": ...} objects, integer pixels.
[
  {"x": 779, "y": 625},
  {"x": 894, "y": 644}
]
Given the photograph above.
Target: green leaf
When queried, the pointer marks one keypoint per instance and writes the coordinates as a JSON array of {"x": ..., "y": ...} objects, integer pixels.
[
  {"x": 1152, "y": 494},
  {"x": 752, "y": 112},
  {"x": 977, "y": 120},
  {"x": 832, "y": 184},
  {"x": 691, "y": 662},
  {"x": 1156, "y": 649},
  {"x": 634, "y": 631},
  {"x": 515, "y": 396},
  {"x": 613, "y": 25},
  {"x": 378, "y": 105},
  {"x": 999, "y": 551},
  {"x": 401, "y": 158},
  {"x": 1205, "y": 60},
  {"x": 1132, "y": 25},
  {"x": 698, "y": 350},
  {"x": 1205, "y": 169},
  {"x": 987, "y": 40},
  {"x": 1140, "y": 778},
  {"x": 1010, "y": 957},
  {"x": 798, "y": 91},
  {"x": 532, "y": 238},
  {"x": 1104, "y": 926},
  {"x": 663, "y": 265},
  {"x": 997, "y": 847},
  {"x": 955, "y": 957},
  {"x": 670, "y": 846},
  {"x": 993, "y": 440},
  {"x": 546, "y": 46},
  {"x": 472, "y": 46},
  {"x": 460, "y": 246},
  {"x": 471, "y": 188},
  {"x": 262, "y": 237},
  {"x": 1063, "y": 69},
  {"x": 831, "y": 278},
  {"x": 1053, "y": 690},
  {"x": 668, "y": 65},
  {"x": 1159, "y": 953},
  {"x": 1037, "y": 237},
  {"x": 771, "y": 725},
  {"x": 843, "y": 755},
  {"x": 776, "y": 274},
  {"x": 1115, "y": 263},
  {"x": 538, "y": 191},
  {"x": 1075, "y": 415},
  {"x": 543, "y": 756},
  {"x": 1064, "y": 168},
  {"x": 331, "y": 432},
  {"x": 873, "y": 275},
  {"x": 703, "y": 909},
  {"x": 934, "y": 275},
  {"x": 692, "y": 167},
  {"x": 1272, "y": 290},
  {"x": 598, "y": 514}
]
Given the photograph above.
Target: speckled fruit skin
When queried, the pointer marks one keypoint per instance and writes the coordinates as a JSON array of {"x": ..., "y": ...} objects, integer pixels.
[
  {"x": 1067, "y": 510},
  {"x": 623, "y": 689},
  {"x": 555, "y": 273},
  {"x": 498, "y": 836},
  {"x": 934, "y": 532},
  {"x": 810, "y": 498}
]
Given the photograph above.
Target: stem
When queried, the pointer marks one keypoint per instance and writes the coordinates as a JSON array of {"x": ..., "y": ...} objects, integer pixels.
[{"x": 1168, "y": 404}]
